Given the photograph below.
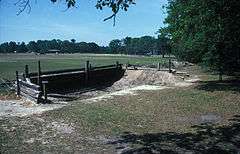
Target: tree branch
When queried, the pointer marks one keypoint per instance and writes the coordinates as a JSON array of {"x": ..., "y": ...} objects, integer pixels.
[
  {"x": 113, "y": 16},
  {"x": 23, "y": 5}
]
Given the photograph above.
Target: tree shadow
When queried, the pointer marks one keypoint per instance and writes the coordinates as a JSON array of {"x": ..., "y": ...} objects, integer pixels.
[
  {"x": 226, "y": 85},
  {"x": 208, "y": 138}
]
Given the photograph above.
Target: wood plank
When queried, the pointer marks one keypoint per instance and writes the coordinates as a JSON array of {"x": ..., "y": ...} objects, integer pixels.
[
  {"x": 65, "y": 71},
  {"x": 29, "y": 90},
  {"x": 56, "y": 72},
  {"x": 29, "y": 85},
  {"x": 60, "y": 74},
  {"x": 103, "y": 67},
  {"x": 35, "y": 99}
]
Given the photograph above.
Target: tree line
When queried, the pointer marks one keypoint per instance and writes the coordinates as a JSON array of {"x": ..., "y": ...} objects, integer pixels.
[
  {"x": 199, "y": 31},
  {"x": 50, "y": 46},
  {"x": 206, "y": 32},
  {"x": 141, "y": 46}
]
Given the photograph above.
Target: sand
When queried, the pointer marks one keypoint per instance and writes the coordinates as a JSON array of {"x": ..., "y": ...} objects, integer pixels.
[{"x": 132, "y": 82}]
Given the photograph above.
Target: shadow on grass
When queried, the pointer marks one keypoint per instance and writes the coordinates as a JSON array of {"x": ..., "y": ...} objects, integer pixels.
[
  {"x": 208, "y": 138},
  {"x": 226, "y": 85}
]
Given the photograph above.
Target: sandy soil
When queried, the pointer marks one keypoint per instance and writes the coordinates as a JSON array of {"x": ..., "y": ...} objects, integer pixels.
[
  {"x": 24, "y": 107},
  {"x": 132, "y": 82}
]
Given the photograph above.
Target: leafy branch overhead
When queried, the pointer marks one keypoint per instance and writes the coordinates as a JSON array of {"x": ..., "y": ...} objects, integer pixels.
[
  {"x": 23, "y": 5},
  {"x": 114, "y": 5}
]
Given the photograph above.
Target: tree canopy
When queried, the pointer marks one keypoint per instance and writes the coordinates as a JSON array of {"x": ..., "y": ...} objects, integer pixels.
[
  {"x": 205, "y": 31},
  {"x": 142, "y": 46},
  {"x": 114, "y": 5},
  {"x": 199, "y": 31},
  {"x": 51, "y": 46}
]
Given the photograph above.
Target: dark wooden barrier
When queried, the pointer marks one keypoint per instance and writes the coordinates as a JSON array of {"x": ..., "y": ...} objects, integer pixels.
[
  {"x": 40, "y": 83},
  {"x": 103, "y": 67},
  {"x": 57, "y": 71}
]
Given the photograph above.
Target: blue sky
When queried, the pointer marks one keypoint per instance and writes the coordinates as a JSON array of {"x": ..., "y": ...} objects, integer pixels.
[{"x": 48, "y": 21}]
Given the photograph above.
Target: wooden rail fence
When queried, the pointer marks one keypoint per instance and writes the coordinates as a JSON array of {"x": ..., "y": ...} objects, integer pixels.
[{"x": 37, "y": 85}]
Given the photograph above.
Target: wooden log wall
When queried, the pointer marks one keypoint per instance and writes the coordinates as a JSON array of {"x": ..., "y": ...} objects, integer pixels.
[
  {"x": 36, "y": 85},
  {"x": 29, "y": 90},
  {"x": 73, "y": 81}
]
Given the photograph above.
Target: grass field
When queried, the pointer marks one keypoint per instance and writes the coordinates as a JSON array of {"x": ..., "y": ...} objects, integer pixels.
[
  {"x": 203, "y": 118},
  {"x": 9, "y": 63}
]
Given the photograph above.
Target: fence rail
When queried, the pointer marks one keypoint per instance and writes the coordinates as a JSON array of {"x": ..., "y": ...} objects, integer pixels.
[
  {"x": 35, "y": 85},
  {"x": 28, "y": 90},
  {"x": 56, "y": 72}
]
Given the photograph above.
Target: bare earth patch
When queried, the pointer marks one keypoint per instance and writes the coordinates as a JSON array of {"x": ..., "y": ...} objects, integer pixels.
[
  {"x": 133, "y": 81},
  {"x": 145, "y": 116},
  {"x": 21, "y": 108}
]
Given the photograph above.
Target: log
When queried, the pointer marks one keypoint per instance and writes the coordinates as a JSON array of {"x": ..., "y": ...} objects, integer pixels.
[
  {"x": 104, "y": 67},
  {"x": 87, "y": 72},
  {"x": 60, "y": 74},
  {"x": 159, "y": 66},
  {"x": 17, "y": 82},
  {"x": 39, "y": 74},
  {"x": 29, "y": 85},
  {"x": 26, "y": 71},
  {"x": 36, "y": 99},
  {"x": 169, "y": 65},
  {"x": 117, "y": 64},
  {"x": 65, "y": 71},
  {"x": 56, "y": 72},
  {"x": 45, "y": 90},
  {"x": 30, "y": 92}
]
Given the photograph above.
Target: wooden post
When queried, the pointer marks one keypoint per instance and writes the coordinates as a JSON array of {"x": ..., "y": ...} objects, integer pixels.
[
  {"x": 26, "y": 71},
  {"x": 90, "y": 66},
  {"x": 127, "y": 64},
  {"x": 17, "y": 82},
  {"x": 117, "y": 64},
  {"x": 169, "y": 63},
  {"x": 220, "y": 78},
  {"x": 44, "y": 83},
  {"x": 39, "y": 75},
  {"x": 158, "y": 66},
  {"x": 87, "y": 72},
  {"x": 24, "y": 76}
]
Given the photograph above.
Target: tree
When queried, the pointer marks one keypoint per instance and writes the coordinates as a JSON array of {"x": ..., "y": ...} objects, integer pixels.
[
  {"x": 163, "y": 45},
  {"x": 205, "y": 32},
  {"x": 93, "y": 47},
  {"x": 114, "y": 5},
  {"x": 115, "y": 46},
  {"x": 146, "y": 44},
  {"x": 33, "y": 47},
  {"x": 54, "y": 44},
  {"x": 127, "y": 44},
  {"x": 12, "y": 46},
  {"x": 22, "y": 48},
  {"x": 4, "y": 47},
  {"x": 66, "y": 46},
  {"x": 41, "y": 45},
  {"x": 83, "y": 47},
  {"x": 73, "y": 41}
]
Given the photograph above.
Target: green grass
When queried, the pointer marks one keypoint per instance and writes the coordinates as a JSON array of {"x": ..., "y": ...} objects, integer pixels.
[
  {"x": 9, "y": 63},
  {"x": 170, "y": 110}
]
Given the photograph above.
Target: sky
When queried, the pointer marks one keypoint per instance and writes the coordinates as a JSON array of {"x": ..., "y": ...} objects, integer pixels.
[{"x": 48, "y": 21}]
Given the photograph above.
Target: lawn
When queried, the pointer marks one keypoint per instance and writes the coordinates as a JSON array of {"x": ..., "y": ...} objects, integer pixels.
[
  {"x": 9, "y": 63},
  {"x": 201, "y": 118}
]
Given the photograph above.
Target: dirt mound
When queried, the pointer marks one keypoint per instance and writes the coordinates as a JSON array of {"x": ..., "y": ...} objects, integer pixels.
[{"x": 133, "y": 78}]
